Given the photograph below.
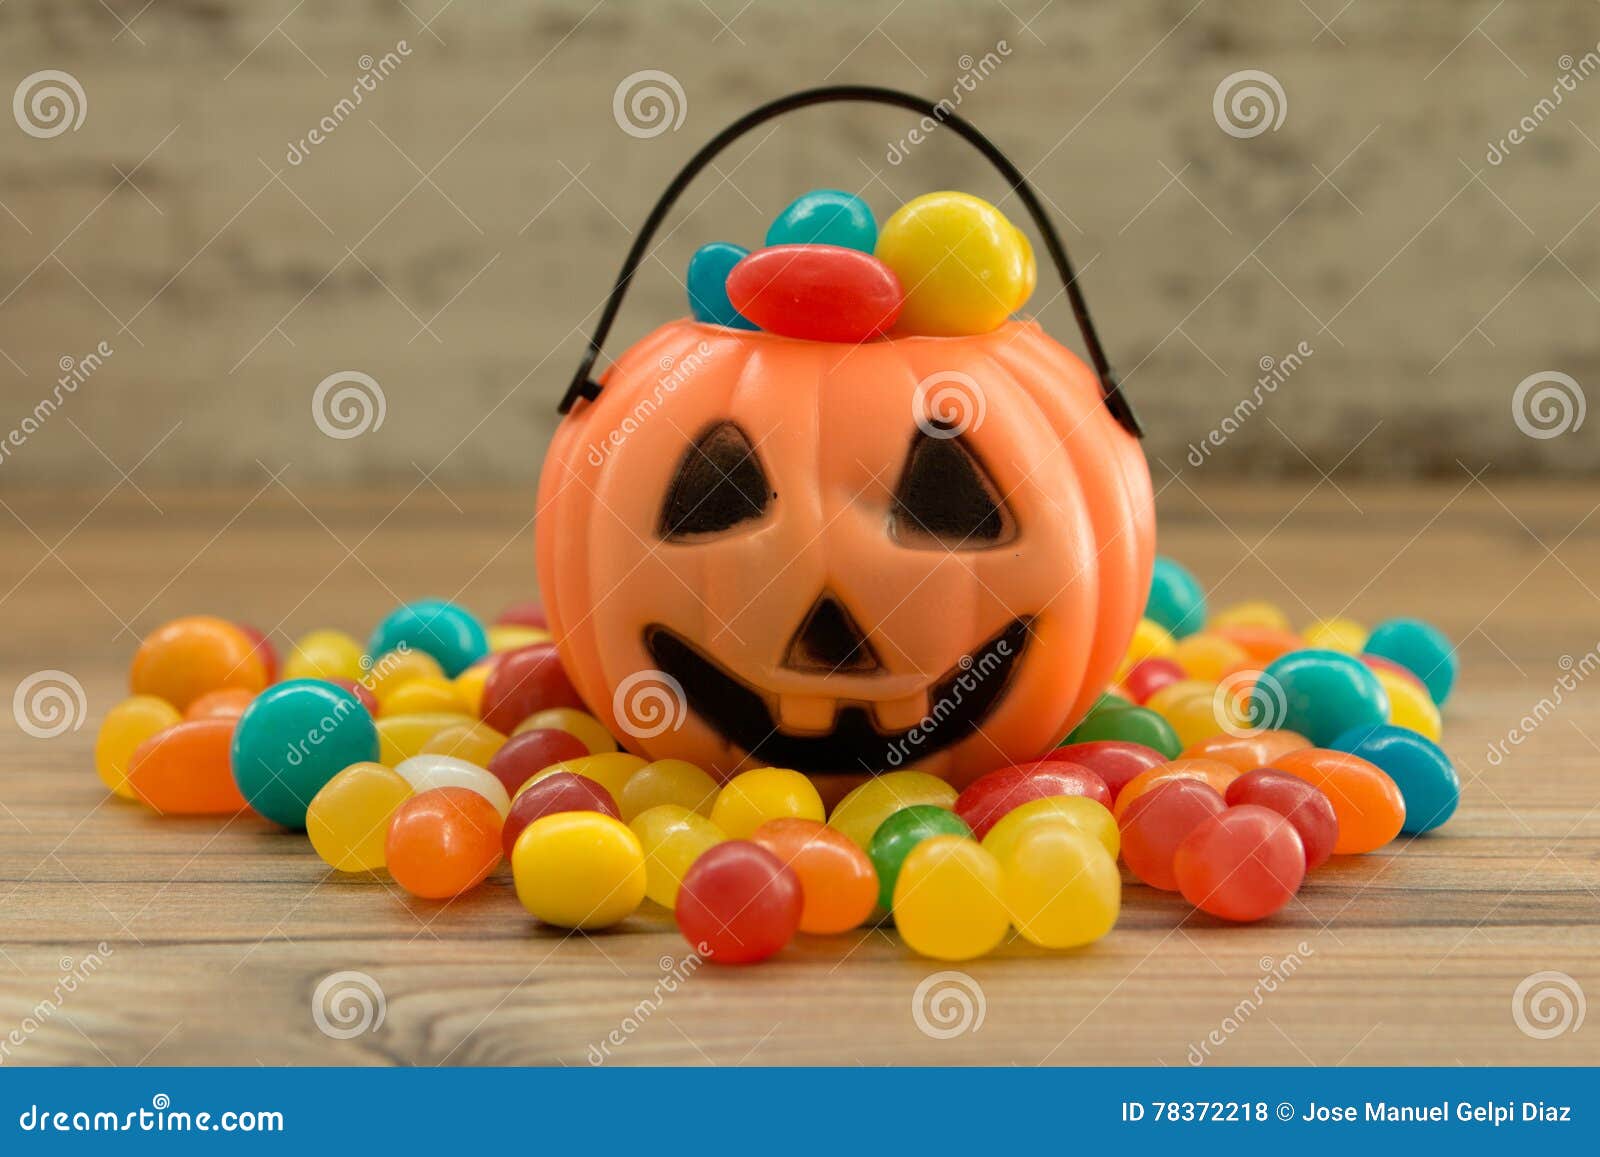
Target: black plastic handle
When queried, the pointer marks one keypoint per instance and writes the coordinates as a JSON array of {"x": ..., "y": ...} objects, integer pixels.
[{"x": 583, "y": 384}]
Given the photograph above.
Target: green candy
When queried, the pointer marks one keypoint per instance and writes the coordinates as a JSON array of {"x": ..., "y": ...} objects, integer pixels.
[
  {"x": 902, "y": 831},
  {"x": 1131, "y": 724}
]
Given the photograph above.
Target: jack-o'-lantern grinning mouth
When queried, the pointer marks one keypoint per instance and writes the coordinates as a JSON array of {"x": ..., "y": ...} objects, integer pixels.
[{"x": 958, "y": 703}]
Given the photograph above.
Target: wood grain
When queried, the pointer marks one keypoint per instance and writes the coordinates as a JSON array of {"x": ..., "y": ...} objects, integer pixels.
[{"x": 216, "y": 934}]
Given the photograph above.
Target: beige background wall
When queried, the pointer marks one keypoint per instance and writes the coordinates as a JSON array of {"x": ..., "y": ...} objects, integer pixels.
[{"x": 453, "y": 236}]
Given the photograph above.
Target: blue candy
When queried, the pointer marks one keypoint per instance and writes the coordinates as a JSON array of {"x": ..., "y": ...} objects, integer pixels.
[
  {"x": 1320, "y": 694},
  {"x": 708, "y": 285},
  {"x": 1419, "y": 648},
  {"x": 826, "y": 217},
  {"x": 1418, "y": 766},
  {"x": 445, "y": 631},
  {"x": 1176, "y": 600},
  {"x": 292, "y": 739}
]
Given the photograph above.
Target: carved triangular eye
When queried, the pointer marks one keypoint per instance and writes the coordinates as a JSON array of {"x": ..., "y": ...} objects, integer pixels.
[
  {"x": 946, "y": 498},
  {"x": 718, "y": 485}
]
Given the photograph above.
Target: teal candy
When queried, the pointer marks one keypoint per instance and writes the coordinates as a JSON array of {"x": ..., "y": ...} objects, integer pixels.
[
  {"x": 292, "y": 739},
  {"x": 1320, "y": 694},
  {"x": 451, "y": 635},
  {"x": 1130, "y": 724},
  {"x": 708, "y": 284},
  {"x": 1176, "y": 600},
  {"x": 1420, "y": 648},
  {"x": 826, "y": 217},
  {"x": 1418, "y": 766}
]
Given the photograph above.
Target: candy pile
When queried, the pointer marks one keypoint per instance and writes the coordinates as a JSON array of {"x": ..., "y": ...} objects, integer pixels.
[
  {"x": 1231, "y": 757},
  {"x": 944, "y": 264}
]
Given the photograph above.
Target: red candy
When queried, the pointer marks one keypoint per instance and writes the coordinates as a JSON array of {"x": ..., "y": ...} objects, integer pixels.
[
  {"x": 523, "y": 756},
  {"x": 1242, "y": 864},
  {"x": 1158, "y": 822},
  {"x": 526, "y": 680},
  {"x": 264, "y": 650},
  {"x": 529, "y": 613},
  {"x": 816, "y": 292},
  {"x": 1116, "y": 761},
  {"x": 1149, "y": 676},
  {"x": 739, "y": 903},
  {"x": 987, "y": 799},
  {"x": 559, "y": 792},
  {"x": 1295, "y": 800}
]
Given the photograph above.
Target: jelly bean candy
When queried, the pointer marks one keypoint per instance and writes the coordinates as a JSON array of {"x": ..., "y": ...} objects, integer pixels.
[
  {"x": 859, "y": 813},
  {"x": 611, "y": 769},
  {"x": 184, "y": 770},
  {"x": 393, "y": 670},
  {"x": 991, "y": 796},
  {"x": 673, "y": 838},
  {"x": 1138, "y": 725},
  {"x": 1421, "y": 649},
  {"x": 361, "y": 691},
  {"x": 963, "y": 265},
  {"x": 1116, "y": 762},
  {"x": 528, "y": 613},
  {"x": 523, "y": 682},
  {"x": 442, "y": 842},
  {"x": 325, "y": 655},
  {"x": 586, "y": 727},
  {"x": 562, "y": 792},
  {"x": 224, "y": 703},
  {"x": 826, "y": 217},
  {"x": 126, "y": 726},
  {"x": 1196, "y": 710},
  {"x": 1369, "y": 805},
  {"x": 400, "y": 737},
  {"x": 1214, "y": 772},
  {"x": 470, "y": 683},
  {"x": 903, "y": 831},
  {"x": 182, "y": 660},
  {"x": 1295, "y": 800},
  {"x": 1345, "y": 635},
  {"x": 292, "y": 740},
  {"x": 1261, "y": 645},
  {"x": 1209, "y": 657},
  {"x": 506, "y": 637},
  {"x": 1080, "y": 812},
  {"x": 1158, "y": 821},
  {"x": 1150, "y": 641},
  {"x": 1176, "y": 600},
  {"x": 447, "y": 632},
  {"x": 348, "y": 821},
  {"x": 949, "y": 900},
  {"x": 1419, "y": 768},
  {"x": 1320, "y": 694},
  {"x": 708, "y": 284},
  {"x": 674, "y": 781},
  {"x": 816, "y": 292},
  {"x": 265, "y": 651},
  {"x": 429, "y": 772},
  {"x": 424, "y": 695},
  {"x": 1148, "y": 676},
  {"x": 751, "y": 798},
  {"x": 579, "y": 870},
  {"x": 1256, "y": 613},
  {"x": 1030, "y": 270},
  {"x": 1247, "y": 750},
  {"x": 1062, "y": 888},
  {"x": 477, "y": 743},
  {"x": 1243, "y": 864},
  {"x": 524, "y": 756},
  {"x": 838, "y": 885},
  {"x": 1410, "y": 705},
  {"x": 739, "y": 903}
]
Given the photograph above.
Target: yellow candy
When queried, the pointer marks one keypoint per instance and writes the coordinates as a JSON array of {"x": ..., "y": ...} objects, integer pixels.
[
  {"x": 402, "y": 736},
  {"x": 126, "y": 726},
  {"x": 1062, "y": 887},
  {"x": 424, "y": 695},
  {"x": 1074, "y": 811},
  {"x": 752, "y": 798},
  {"x": 325, "y": 655},
  {"x": 1410, "y": 705},
  {"x": 474, "y": 742},
  {"x": 1150, "y": 640},
  {"x": 611, "y": 770},
  {"x": 672, "y": 838},
  {"x": 578, "y": 870},
  {"x": 1345, "y": 635},
  {"x": 510, "y": 636},
  {"x": 858, "y": 814},
  {"x": 470, "y": 683},
  {"x": 948, "y": 899},
  {"x": 1030, "y": 271},
  {"x": 1208, "y": 657},
  {"x": 1255, "y": 613},
  {"x": 348, "y": 820},
  {"x": 963, "y": 266},
  {"x": 674, "y": 781},
  {"x": 589, "y": 730},
  {"x": 1192, "y": 708},
  {"x": 394, "y": 670}
]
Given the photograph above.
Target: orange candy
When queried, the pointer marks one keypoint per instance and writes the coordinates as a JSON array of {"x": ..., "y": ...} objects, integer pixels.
[
  {"x": 1369, "y": 805},
  {"x": 1212, "y": 771},
  {"x": 443, "y": 842},
  {"x": 224, "y": 703},
  {"x": 1248, "y": 752},
  {"x": 186, "y": 770},
  {"x": 1261, "y": 644},
  {"x": 182, "y": 660},
  {"x": 837, "y": 880}
]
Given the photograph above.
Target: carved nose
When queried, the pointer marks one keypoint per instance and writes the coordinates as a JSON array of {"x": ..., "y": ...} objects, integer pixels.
[{"x": 829, "y": 640}]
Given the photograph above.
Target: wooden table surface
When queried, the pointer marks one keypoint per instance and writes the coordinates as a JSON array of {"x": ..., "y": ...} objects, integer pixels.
[{"x": 130, "y": 939}]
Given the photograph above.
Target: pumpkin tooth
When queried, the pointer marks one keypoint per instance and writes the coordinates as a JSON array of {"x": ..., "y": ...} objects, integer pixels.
[
  {"x": 901, "y": 714},
  {"x": 806, "y": 713}
]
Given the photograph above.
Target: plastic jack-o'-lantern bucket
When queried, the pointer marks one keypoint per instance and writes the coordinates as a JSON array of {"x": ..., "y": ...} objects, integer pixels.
[{"x": 909, "y": 552}]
